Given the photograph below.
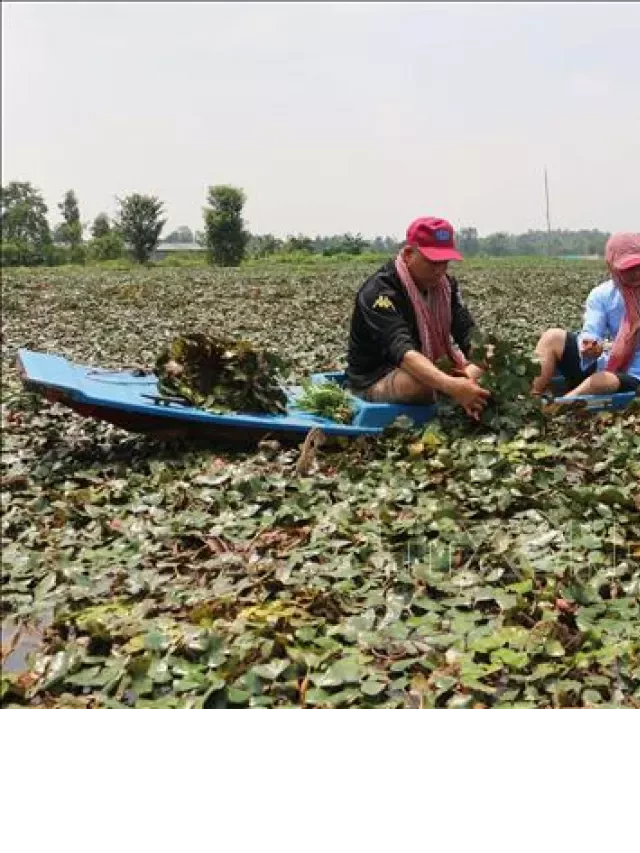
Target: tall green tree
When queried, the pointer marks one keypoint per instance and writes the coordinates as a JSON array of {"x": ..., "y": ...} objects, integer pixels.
[
  {"x": 101, "y": 226},
  {"x": 70, "y": 230},
  {"x": 225, "y": 236},
  {"x": 26, "y": 236},
  {"x": 140, "y": 223}
]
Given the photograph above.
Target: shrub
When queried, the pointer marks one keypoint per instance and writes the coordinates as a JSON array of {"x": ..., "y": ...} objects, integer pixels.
[{"x": 110, "y": 247}]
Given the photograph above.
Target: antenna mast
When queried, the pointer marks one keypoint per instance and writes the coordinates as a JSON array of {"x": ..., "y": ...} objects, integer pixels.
[{"x": 546, "y": 194}]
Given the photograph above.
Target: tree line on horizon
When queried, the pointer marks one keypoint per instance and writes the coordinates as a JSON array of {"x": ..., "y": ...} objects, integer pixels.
[{"x": 27, "y": 238}]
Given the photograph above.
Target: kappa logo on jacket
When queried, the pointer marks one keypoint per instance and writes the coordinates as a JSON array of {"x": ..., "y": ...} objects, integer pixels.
[{"x": 384, "y": 302}]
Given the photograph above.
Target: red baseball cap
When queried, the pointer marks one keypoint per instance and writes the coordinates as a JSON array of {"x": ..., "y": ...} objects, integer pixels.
[
  {"x": 434, "y": 238},
  {"x": 622, "y": 251}
]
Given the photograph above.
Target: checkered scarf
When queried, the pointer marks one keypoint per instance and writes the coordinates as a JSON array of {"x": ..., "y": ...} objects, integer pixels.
[{"x": 434, "y": 321}]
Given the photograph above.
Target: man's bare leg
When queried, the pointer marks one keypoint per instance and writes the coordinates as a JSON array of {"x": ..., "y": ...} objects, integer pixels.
[
  {"x": 602, "y": 382},
  {"x": 549, "y": 350},
  {"x": 400, "y": 387}
]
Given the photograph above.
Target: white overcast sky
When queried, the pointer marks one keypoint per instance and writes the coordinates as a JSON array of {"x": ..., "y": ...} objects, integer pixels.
[{"x": 332, "y": 117}]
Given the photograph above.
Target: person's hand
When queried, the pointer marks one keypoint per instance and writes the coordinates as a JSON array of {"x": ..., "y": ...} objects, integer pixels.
[
  {"x": 469, "y": 395},
  {"x": 473, "y": 371},
  {"x": 590, "y": 348},
  {"x": 470, "y": 371}
]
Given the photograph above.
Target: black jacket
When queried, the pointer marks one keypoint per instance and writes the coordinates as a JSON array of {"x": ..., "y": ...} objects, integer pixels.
[{"x": 384, "y": 328}]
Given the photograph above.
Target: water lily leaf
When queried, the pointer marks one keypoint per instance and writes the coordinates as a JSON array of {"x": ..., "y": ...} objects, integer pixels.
[
  {"x": 443, "y": 683},
  {"x": 45, "y": 586},
  {"x": 272, "y": 670},
  {"x": 306, "y": 635},
  {"x": 156, "y": 641},
  {"x": 460, "y": 701},
  {"x": 159, "y": 672},
  {"x": 344, "y": 671},
  {"x": 451, "y": 564},
  {"x": 511, "y": 658},
  {"x": 92, "y": 676},
  {"x": 371, "y": 687},
  {"x": 591, "y": 697},
  {"x": 59, "y": 666},
  {"x": 554, "y": 648},
  {"x": 480, "y": 475},
  {"x": 317, "y": 696},
  {"x": 235, "y": 696}
]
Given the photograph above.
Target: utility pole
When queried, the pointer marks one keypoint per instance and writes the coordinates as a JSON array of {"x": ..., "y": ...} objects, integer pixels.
[{"x": 546, "y": 193}]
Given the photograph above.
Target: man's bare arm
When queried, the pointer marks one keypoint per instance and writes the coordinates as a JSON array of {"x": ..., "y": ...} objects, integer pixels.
[{"x": 463, "y": 390}]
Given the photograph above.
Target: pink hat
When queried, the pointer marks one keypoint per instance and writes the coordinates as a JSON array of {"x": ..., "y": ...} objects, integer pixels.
[{"x": 623, "y": 251}]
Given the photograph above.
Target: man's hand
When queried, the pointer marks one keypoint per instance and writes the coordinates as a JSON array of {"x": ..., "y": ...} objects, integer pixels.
[
  {"x": 590, "y": 348},
  {"x": 472, "y": 371},
  {"x": 469, "y": 395}
]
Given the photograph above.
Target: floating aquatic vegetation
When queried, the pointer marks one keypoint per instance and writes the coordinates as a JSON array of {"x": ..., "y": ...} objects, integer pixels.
[
  {"x": 446, "y": 568},
  {"x": 221, "y": 374}
]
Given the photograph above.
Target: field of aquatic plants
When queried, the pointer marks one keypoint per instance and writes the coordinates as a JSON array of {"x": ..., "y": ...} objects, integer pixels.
[{"x": 443, "y": 568}]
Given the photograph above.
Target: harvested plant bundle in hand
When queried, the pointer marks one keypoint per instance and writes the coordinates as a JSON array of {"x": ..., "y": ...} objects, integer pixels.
[
  {"x": 509, "y": 372},
  {"x": 221, "y": 374}
]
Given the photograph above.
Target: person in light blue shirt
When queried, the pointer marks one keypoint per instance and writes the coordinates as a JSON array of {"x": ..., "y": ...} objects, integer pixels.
[{"x": 612, "y": 313}]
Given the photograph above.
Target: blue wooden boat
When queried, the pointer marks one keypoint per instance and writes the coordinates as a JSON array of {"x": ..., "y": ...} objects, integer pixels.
[{"x": 131, "y": 400}]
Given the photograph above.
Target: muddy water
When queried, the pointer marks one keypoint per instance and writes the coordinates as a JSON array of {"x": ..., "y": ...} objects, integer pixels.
[{"x": 19, "y": 640}]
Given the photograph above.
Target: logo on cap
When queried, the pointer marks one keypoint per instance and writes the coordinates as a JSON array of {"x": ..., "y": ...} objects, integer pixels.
[{"x": 442, "y": 235}]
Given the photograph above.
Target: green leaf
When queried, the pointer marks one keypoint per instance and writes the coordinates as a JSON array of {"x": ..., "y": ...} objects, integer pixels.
[
  {"x": 156, "y": 641},
  {"x": 306, "y": 635},
  {"x": 187, "y": 685},
  {"x": 372, "y": 687},
  {"x": 316, "y": 696},
  {"x": 554, "y": 648},
  {"x": 272, "y": 670},
  {"x": 344, "y": 671},
  {"x": 512, "y": 659},
  {"x": 460, "y": 701},
  {"x": 46, "y": 585},
  {"x": 480, "y": 475},
  {"x": 59, "y": 666},
  {"x": 92, "y": 676},
  {"x": 444, "y": 683},
  {"x": 131, "y": 564},
  {"x": 591, "y": 697},
  {"x": 159, "y": 672},
  {"x": 235, "y": 696}
]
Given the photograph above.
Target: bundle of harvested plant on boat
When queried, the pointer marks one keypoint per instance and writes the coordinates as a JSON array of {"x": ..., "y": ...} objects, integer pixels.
[
  {"x": 221, "y": 375},
  {"x": 327, "y": 400}
]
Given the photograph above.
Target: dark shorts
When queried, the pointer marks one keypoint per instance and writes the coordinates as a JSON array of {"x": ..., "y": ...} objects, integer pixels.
[{"x": 569, "y": 366}]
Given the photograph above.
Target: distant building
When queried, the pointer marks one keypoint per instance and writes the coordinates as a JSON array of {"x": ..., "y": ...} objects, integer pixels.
[{"x": 162, "y": 250}]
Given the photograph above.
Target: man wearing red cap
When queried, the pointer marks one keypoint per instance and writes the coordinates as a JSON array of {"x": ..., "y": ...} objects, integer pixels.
[
  {"x": 612, "y": 311},
  {"x": 406, "y": 317}
]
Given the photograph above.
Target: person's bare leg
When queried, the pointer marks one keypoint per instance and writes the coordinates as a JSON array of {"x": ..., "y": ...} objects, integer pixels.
[
  {"x": 602, "y": 382},
  {"x": 549, "y": 350},
  {"x": 401, "y": 387},
  {"x": 406, "y": 389}
]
